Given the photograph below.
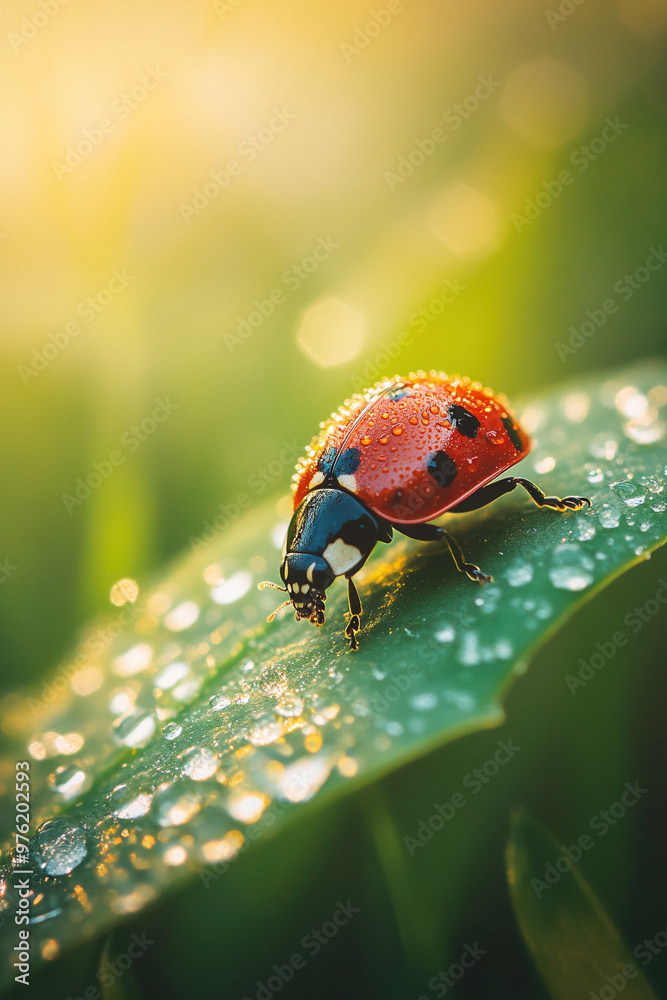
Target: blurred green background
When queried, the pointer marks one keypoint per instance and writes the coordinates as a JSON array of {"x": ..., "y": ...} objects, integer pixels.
[{"x": 419, "y": 146}]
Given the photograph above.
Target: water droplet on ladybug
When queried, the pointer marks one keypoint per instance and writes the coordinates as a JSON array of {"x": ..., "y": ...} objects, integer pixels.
[
  {"x": 384, "y": 439},
  {"x": 397, "y": 429},
  {"x": 365, "y": 440}
]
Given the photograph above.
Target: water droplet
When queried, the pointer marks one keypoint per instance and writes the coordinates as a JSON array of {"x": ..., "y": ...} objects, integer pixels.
[
  {"x": 544, "y": 465},
  {"x": 576, "y": 406},
  {"x": 378, "y": 674},
  {"x": 176, "y": 804},
  {"x": 129, "y": 802},
  {"x": 503, "y": 649},
  {"x": 659, "y": 506},
  {"x": 595, "y": 475},
  {"x": 246, "y": 807},
  {"x": 273, "y": 680},
  {"x": 134, "y": 660},
  {"x": 518, "y": 573},
  {"x": 425, "y": 701},
  {"x": 172, "y": 730},
  {"x": 630, "y": 402},
  {"x": 69, "y": 780},
  {"x": 632, "y": 494},
  {"x": 171, "y": 675},
  {"x": 397, "y": 429},
  {"x": 134, "y": 729},
  {"x": 218, "y": 702},
  {"x": 645, "y": 429},
  {"x": 232, "y": 589},
  {"x": 603, "y": 446},
  {"x": 610, "y": 517},
  {"x": 182, "y": 616},
  {"x": 585, "y": 529},
  {"x": 571, "y": 569},
  {"x": 305, "y": 776},
  {"x": 289, "y": 706},
  {"x": 200, "y": 763},
  {"x": 445, "y": 634},
  {"x": 470, "y": 652},
  {"x": 59, "y": 845}
]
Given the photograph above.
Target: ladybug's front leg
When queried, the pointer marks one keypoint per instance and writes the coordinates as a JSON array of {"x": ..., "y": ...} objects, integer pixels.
[
  {"x": 432, "y": 533},
  {"x": 354, "y": 624}
]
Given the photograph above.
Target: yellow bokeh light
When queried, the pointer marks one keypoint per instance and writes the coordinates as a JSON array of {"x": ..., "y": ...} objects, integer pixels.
[
  {"x": 466, "y": 220},
  {"x": 545, "y": 103},
  {"x": 331, "y": 333}
]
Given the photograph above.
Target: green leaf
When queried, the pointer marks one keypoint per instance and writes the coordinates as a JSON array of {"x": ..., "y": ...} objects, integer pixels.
[
  {"x": 186, "y": 727},
  {"x": 115, "y": 974},
  {"x": 575, "y": 945}
]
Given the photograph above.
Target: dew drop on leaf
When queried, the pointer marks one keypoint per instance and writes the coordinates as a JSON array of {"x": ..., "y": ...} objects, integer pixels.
[{"x": 59, "y": 845}]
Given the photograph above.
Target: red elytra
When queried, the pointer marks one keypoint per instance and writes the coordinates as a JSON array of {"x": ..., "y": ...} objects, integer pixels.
[{"x": 411, "y": 448}]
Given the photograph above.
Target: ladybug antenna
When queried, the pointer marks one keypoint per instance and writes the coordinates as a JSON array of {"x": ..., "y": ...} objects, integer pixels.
[
  {"x": 283, "y": 605},
  {"x": 274, "y": 586}
]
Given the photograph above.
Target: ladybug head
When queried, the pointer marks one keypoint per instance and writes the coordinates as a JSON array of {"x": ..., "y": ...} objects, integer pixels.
[{"x": 306, "y": 578}]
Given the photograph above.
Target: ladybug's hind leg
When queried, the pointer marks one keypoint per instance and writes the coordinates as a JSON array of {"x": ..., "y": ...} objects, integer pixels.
[
  {"x": 432, "y": 533},
  {"x": 354, "y": 624},
  {"x": 487, "y": 494}
]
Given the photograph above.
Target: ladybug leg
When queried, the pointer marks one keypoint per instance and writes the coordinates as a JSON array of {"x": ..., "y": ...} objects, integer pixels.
[
  {"x": 566, "y": 503},
  {"x": 432, "y": 533},
  {"x": 354, "y": 624},
  {"x": 487, "y": 494}
]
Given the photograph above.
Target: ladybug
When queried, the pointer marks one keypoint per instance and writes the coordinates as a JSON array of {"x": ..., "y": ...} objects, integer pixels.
[{"x": 395, "y": 457}]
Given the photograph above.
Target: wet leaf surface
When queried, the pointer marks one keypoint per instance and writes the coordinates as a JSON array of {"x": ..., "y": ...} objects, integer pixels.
[{"x": 186, "y": 727}]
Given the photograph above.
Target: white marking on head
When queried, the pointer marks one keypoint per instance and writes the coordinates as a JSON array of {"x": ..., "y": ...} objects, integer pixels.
[
  {"x": 286, "y": 570},
  {"x": 309, "y": 572},
  {"x": 305, "y": 588},
  {"x": 317, "y": 478},
  {"x": 341, "y": 556},
  {"x": 296, "y": 588},
  {"x": 348, "y": 483}
]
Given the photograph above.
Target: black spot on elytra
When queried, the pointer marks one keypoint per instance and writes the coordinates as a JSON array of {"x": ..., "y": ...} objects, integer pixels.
[
  {"x": 463, "y": 420},
  {"x": 512, "y": 432},
  {"x": 442, "y": 469},
  {"x": 400, "y": 392},
  {"x": 348, "y": 462}
]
